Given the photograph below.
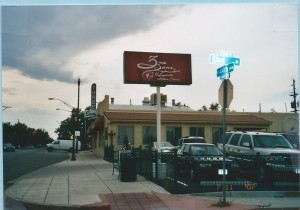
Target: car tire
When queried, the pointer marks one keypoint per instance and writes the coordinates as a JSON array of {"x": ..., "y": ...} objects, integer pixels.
[{"x": 50, "y": 149}]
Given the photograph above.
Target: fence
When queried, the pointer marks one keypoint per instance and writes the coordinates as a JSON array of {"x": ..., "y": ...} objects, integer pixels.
[{"x": 274, "y": 175}]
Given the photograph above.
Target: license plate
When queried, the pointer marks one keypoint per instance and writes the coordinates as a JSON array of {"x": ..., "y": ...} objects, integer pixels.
[{"x": 221, "y": 172}]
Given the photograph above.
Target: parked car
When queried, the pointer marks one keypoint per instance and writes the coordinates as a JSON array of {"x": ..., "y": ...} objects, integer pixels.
[
  {"x": 266, "y": 156},
  {"x": 165, "y": 147},
  {"x": 8, "y": 147},
  {"x": 190, "y": 139},
  {"x": 203, "y": 161}
]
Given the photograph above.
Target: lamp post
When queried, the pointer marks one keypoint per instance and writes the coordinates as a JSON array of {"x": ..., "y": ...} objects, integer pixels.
[
  {"x": 63, "y": 110},
  {"x": 5, "y": 107},
  {"x": 65, "y": 103},
  {"x": 72, "y": 117}
]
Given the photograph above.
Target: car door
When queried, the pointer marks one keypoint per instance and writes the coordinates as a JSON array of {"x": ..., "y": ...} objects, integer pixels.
[
  {"x": 182, "y": 156},
  {"x": 232, "y": 147}
]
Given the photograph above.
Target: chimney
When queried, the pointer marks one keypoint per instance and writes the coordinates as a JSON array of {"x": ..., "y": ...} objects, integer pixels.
[
  {"x": 146, "y": 101},
  {"x": 173, "y": 102},
  {"x": 112, "y": 100}
]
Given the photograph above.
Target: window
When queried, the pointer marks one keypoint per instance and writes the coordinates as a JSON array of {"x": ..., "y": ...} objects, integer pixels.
[
  {"x": 197, "y": 131},
  {"x": 125, "y": 133},
  {"x": 245, "y": 139},
  {"x": 235, "y": 139},
  {"x": 217, "y": 133},
  {"x": 149, "y": 134},
  {"x": 173, "y": 133}
]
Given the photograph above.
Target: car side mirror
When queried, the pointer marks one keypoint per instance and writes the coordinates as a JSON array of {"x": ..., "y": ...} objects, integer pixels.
[{"x": 247, "y": 144}]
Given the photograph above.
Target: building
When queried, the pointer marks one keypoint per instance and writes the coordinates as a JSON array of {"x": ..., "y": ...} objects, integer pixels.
[{"x": 136, "y": 124}]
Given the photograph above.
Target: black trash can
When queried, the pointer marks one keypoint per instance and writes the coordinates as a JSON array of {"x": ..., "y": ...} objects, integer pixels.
[{"x": 128, "y": 167}]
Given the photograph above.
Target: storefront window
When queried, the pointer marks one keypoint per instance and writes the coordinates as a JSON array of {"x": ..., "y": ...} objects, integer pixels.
[
  {"x": 125, "y": 134},
  {"x": 197, "y": 131},
  {"x": 173, "y": 134},
  {"x": 217, "y": 134},
  {"x": 149, "y": 134}
]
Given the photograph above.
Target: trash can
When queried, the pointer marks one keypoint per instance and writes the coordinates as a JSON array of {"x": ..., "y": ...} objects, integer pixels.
[{"x": 128, "y": 167}]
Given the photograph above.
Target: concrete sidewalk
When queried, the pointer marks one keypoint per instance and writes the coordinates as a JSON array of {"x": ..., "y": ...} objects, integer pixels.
[{"x": 88, "y": 183}]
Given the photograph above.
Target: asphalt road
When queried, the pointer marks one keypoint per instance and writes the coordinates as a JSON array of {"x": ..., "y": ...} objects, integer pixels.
[{"x": 23, "y": 161}]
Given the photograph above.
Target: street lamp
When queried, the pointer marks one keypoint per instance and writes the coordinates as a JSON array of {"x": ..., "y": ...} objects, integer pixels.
[
  {"x": 72, "y": 115},
  {"x": 63, "y": 110},
  {"x": 65, "y": 103},
  {"x": 5, "y": 107}
]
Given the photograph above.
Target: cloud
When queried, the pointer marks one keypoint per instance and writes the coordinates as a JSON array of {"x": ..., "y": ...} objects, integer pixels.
[{"x": 39, "y": 41}]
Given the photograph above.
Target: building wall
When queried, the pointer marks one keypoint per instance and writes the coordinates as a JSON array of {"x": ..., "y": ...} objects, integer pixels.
[{"x": 281, "y": 122}]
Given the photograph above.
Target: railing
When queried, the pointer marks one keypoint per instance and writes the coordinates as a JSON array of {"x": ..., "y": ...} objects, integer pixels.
[{"x": 256, "y": 173}]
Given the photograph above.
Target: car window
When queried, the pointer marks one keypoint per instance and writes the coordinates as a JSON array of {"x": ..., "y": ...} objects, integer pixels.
[
  {"x": 205, "y": 150},
  {"x": 271, "y": 141},
  {"x": 245, "y": 139},
  {"x": 186, "y": 149},
  {"x": 180, "y": 149},
  {"x": 194, "y": 140},
  {"x": 166, "y": 144},
  {"x": 198, "y": 150},
  {"x": 226, "y": 138},
  {"x": 235, "y": 139}
]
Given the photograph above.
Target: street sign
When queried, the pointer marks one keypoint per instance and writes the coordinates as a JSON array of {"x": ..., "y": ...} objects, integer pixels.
[
  {"x": 229, "y": 94},
  {"x": 224, "y": 71},
  {"x": 77, "y": 133},
  {"x": 90, "y": 113},
  {"x": 224, "y": 58},
  {"x": 234, "y": 60}
]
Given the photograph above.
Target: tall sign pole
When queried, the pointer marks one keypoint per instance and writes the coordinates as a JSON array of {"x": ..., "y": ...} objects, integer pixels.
[
  {"x": 158, "y": 99},
  {"x": 158, "y": 70},
  {"x": 224, "y": 131}
]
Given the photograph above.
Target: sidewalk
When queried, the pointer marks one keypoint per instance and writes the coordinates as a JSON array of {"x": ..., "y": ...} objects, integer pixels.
[{"x": 88, "y": 183}]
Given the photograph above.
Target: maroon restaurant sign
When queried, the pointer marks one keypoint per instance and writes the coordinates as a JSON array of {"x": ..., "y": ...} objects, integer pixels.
[{"x": 157, "y": 69}]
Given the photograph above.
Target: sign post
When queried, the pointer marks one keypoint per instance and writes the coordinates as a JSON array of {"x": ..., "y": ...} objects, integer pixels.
[
  {"x": 226, "y": 59},
  {"x": 158, "y": 70}
]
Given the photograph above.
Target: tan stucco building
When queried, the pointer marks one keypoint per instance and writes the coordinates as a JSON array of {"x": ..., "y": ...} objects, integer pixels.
[{"x": 137, "y": 123}]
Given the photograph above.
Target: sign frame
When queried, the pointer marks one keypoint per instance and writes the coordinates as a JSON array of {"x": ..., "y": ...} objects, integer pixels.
[{"x": 157, "y": 69}]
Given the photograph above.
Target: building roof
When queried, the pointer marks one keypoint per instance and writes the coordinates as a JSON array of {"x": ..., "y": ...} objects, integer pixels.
[
  {"x": 149, "y": 107},
  {"x": 192, "y": 117}
]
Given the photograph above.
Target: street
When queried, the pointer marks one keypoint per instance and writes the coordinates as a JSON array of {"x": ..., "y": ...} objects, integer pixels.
[{"x": 23, "y": 161}]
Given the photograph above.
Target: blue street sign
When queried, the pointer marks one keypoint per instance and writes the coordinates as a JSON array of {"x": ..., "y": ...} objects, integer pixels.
[
  {"x": 224, "y": 71},
  {"x": 234, "y": 60}
]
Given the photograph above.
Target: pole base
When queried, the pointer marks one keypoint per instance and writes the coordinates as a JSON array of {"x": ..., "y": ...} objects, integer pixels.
[{"x": 73, "y": 158}]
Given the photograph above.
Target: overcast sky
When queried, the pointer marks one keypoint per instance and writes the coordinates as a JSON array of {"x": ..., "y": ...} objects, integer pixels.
[{"x": 45, "y": 49}]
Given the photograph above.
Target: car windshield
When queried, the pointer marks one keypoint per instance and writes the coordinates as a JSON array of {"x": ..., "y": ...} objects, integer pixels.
[
  {"x": 166, "y": 144},
  {"x": 7, "y": 144},
  {"x": 270, "y": 141},
  {"x": 205, "y": 150}
]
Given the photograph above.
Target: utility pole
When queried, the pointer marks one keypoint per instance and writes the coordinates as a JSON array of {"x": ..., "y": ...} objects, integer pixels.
[{"x": 294, "y": 104}]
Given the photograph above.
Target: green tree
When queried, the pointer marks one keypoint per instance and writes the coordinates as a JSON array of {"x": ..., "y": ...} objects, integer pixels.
[
  {"x": 73, "y": 123},
  {"x": 21, "y": 135},
  {"x": 214, "y": 107}
]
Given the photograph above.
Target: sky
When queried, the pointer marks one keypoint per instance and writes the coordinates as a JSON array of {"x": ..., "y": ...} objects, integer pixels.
[{"x": 46, "y": 49}]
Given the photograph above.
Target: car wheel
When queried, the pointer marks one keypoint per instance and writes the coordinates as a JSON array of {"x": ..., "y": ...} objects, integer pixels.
[{"x": 50, "y": 149}]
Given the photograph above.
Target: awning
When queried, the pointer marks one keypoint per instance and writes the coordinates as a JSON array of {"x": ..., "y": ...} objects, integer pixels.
[{"x": 96, "y": 125}]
